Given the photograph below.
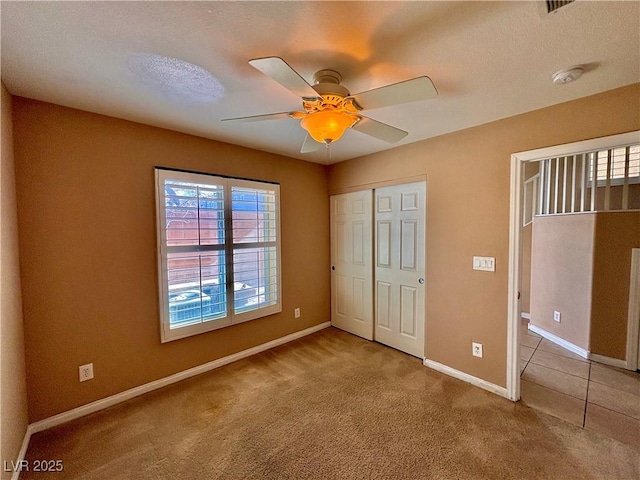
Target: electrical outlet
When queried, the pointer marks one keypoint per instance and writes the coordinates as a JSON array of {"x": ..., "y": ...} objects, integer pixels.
[
  {"x": 85, "y": 372},
  {"x": 476, "y": 349},
  {"x": 556, "y": 316},
  {"x": 296, "y": 313}
]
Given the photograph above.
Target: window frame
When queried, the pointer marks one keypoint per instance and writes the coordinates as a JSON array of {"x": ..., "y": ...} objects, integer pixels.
[
  {"x": 554, "y": 184},
  {"x": 613, "y": 181},
  {"x": 232, "y": 317}
]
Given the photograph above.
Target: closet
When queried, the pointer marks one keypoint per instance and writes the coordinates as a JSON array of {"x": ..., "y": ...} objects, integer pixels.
[{"x": 378, "y": 265}]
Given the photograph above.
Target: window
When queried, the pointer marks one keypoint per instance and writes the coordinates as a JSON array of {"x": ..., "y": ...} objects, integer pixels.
[
  {"x": 218, "y": 251},
  {"x": 567, "y": 184},
  {"x": 615, "y": 164}
]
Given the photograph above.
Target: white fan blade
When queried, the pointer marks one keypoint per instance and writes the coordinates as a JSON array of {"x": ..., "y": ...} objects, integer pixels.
[
  {"x": 379, "y": 130},
  {"x": 281, "y": 72},
  {"x": 309, "y": 145},
  {"x": 419, "y": 88},
  {"x": 257, "y": 118}
]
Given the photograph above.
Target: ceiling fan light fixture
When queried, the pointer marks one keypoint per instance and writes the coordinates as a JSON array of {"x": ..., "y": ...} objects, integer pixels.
[
  {"x": 328, "y": 107},
  {"x": 327, "y": 126}
]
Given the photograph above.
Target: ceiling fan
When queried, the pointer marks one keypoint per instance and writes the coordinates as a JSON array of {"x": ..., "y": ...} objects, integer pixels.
[{"x": 328, "y": 107}]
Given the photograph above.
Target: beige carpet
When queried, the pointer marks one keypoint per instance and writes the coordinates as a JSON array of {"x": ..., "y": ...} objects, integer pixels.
[{"x": 329, "y": 406}]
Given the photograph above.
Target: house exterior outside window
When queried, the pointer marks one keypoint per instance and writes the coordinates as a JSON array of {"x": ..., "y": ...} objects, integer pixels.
[{"x": 218, "y": 251}]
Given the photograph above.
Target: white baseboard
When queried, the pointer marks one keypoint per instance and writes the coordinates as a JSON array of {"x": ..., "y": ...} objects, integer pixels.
[
  {"x": 560, "y": 341},
  {"x": 162, "y": 382},
  {"x": 465, "y": 377},
  {"x": 22, "y": 453},
  {"x": 525, "y": 315},
  {"x": 614, "y": 362}
]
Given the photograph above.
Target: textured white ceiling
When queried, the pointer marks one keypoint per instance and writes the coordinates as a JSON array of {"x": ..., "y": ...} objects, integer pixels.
[{"x": 488, "y": 60}]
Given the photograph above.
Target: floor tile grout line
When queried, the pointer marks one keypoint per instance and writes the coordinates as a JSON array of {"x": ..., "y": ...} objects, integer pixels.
[
  {"x": 615, "y": 388},
  {"x": 615, "y": 411},
  {"x": 588, "y": 379},
  {"x": 580, "y": 359},
  {"x": 586, "y": 398},
  {"x": 554, "y": 390},
  {"x": 584, "y": 417},
  {"x": 557, "y": 370},
  {"x": 529, "y": 361},
  {"x": 532, "y": 354}
]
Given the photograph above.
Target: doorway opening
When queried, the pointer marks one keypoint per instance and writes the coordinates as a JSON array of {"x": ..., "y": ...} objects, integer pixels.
[{"x": 567, "y": 191}]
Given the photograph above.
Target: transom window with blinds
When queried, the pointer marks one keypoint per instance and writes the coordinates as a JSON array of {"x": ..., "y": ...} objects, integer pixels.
[{"x": 218, "y": 251}]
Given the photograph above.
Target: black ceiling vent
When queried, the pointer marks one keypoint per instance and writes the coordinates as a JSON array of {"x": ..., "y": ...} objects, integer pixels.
[{"x": 554, "y": 5}]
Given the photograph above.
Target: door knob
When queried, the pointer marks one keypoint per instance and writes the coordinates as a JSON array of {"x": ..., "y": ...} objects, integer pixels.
[
  {"x": 421, "y": 281},
  {"x": 333, "y": 267}
]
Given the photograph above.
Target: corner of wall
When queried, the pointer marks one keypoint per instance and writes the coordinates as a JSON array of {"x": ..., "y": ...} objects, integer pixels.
[{"x": 13, "y": 403}]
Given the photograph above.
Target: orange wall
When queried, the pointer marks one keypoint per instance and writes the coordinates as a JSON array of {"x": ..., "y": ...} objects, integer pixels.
[
  {"x": 13, "y": 388},
  {"x": 86, "y": 212},
  {"x": 562, "y": 275},
  {"x": 468, "y": 214},
  {"x": 90, "y": 290},
  {"x": 616, "y": 234}
]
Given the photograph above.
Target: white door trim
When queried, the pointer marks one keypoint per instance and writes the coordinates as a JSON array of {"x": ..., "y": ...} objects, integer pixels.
[
  {"x": 633, "y": 323},
  {"x": 515, "y": 215}
]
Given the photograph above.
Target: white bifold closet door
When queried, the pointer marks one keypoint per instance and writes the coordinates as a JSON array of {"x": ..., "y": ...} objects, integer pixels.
[
  {"x": 379, "y": 293},
  {"x": 351, "y": 263},
  {"x": 400, "y": 267}
]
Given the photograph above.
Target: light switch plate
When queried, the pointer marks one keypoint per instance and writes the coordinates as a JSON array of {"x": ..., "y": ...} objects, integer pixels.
[{"x": 485, "y": 264}]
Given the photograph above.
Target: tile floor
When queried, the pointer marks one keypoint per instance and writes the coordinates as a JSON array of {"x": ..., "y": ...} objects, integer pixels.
[{"x": 588, "y": 394}]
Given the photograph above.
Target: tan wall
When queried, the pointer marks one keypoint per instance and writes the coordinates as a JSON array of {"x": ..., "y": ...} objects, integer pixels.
[
  {"x": 615, "y": 197},
  {"x": 13, "y": 406},
  {"x": 561, "y": 275},
  {"x": 616, "y": 234},
  {"x": 468, "y": 214},
  {"x": 85, "y": 186}
]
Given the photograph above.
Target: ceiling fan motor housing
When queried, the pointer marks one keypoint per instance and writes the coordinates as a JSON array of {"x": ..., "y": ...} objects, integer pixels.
[
  {"x": 326, "y": 76},
  {"x": 331, "y": 89},
  {"x": 333, "y": 95}
]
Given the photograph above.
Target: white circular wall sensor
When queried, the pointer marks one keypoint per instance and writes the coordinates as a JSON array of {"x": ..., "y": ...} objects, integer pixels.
[{"x": 567, "y": 76}]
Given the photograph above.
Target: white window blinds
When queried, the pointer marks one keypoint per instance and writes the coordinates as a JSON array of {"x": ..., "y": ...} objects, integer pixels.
[
  {"x": 218, "y": 251},
  {"x": 603, "y": 180}
]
